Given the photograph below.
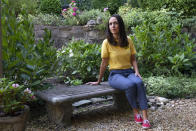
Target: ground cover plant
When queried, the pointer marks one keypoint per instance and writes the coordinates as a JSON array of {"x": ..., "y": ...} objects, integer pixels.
[{"x": 171, "y": 87}]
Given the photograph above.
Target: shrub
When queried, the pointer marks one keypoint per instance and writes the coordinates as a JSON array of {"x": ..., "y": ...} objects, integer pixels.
[
  {"x": 98, "y": 4},
  {"x": 187, "y": 7},
  {"x": 80, "y": 60},
  {"x": 30, "y": 6},
  {"x": 24, "y": 60},
  {"x": 85, "y": 16},
  {"x": 163, "y": 50},
  {"x": 64, "y": 2},
  {"x": 13, "y": 97},
  {"x": 46, "y": 19},
  {"x": 50, "y": 6},
  {"x": 189, "y": 22},
  {"x": 84, "y": 4},
  {"x": 133, "y": 3},
  {"x": 171, "y": 87},
  {"x": 113, "y": 5},
  {"x": 133, "y": 17},
  {"x": 81, "y": 19}
]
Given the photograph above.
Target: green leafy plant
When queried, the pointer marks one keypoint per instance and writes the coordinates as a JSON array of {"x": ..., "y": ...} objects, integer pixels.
[
  {"x": 113, "y": 5},
  {"x": 132, "y": 3},
  {"x": 25, "y": 60},
  {"x": 133, "y": 17},
  {"x": 189, "y": 22},
  {"x": 171, "y": 87},
  {"x": 80, "y": 19},
  {"x": 98, "y": 4},
  {"x": 187, "y": 7},
  {"x": 85, "y": 16},
  {"x": 46, "y": 19},
  {"x": 72, "y": 81},
  {"x": 156, "y": 42},
  {"x": 180, "y": 62},
  {"x": 80, "y": 60},
  {"x": 13, "y": 97},
  {"x": 84, "y": 4},
  {"x": 30, "y": 6},
  {"x": 50, "y": 6}
]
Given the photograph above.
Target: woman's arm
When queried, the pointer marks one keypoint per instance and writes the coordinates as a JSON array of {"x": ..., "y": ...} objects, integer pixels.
[
  {"x": 134, "y": 63},
  {"x": 103, "y": 66}
]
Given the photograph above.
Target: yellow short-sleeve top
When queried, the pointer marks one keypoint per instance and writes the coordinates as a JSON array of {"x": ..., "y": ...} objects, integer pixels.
[{"x": 119, "y": 57}]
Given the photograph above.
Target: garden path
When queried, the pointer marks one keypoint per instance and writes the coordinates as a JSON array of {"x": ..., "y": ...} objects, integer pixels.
[{"x": 177, "y": 115}]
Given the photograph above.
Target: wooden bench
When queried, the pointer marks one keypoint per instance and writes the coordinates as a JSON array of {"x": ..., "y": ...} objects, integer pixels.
[{"x": 59, "y": 99}]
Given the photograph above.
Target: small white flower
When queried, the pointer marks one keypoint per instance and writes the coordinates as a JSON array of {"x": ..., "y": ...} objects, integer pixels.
[
  {"x": 15, "y": 85},
  {"x": 71, "y": 54},
  {"x": 63, "y": 51},
  {"x": 27, "y": 90}
]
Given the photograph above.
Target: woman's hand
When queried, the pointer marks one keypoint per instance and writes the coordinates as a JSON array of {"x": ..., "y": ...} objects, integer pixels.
[
  {"x": 138, "y": 74},
  {"x": 104, "y": 64},
  {"x": 93, "y": 83}
]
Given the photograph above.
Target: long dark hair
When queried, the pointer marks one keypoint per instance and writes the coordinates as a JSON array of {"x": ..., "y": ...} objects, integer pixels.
[{"x": 122, "y": 33}]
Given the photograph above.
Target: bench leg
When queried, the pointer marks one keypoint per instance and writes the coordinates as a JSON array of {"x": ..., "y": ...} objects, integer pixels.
[
  {"x": 121, "y": 102},
  {"x": 60, "y": 113}
]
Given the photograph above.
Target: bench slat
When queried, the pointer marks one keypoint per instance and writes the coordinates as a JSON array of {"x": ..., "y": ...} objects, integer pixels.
[
  {"x": 59, "y": 100},
  {"x": 61, "y": 93}
]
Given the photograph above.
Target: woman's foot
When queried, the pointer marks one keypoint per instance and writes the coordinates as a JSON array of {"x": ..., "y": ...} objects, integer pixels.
[
  {"x": 138, "y": 118},
  {"x": 146, "y": 124}
]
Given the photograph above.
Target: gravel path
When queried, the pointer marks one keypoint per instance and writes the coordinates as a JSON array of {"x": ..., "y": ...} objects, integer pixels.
[{"x": 177, "y": 115}]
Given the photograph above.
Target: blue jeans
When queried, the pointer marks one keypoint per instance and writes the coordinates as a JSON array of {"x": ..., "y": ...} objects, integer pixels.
[{"x": 133, "y": 86}]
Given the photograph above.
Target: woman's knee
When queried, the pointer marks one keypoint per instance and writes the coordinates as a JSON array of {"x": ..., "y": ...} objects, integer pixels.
[
  {"x": 125, "y": 85},
  {"x": 137, "y": 80}
]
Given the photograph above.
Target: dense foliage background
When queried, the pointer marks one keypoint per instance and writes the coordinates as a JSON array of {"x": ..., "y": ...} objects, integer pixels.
[{"x": 165, "y": 54}]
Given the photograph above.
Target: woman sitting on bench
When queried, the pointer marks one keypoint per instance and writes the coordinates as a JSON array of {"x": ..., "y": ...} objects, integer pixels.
[{"x": 118, "y": 51}]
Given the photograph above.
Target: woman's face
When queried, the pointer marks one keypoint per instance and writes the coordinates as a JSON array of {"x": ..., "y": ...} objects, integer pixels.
[{"x": 114, "y": 25}]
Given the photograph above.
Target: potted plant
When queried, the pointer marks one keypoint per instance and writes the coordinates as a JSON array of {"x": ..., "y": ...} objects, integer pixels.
[{"x": 13, "y": 109}]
